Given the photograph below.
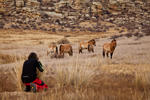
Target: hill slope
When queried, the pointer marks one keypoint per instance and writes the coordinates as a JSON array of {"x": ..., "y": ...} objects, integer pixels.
[{"x": 76, "y": 15}]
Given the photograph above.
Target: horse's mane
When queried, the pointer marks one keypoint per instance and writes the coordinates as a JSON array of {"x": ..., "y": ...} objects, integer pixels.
[{"x": 91, "y": 40}]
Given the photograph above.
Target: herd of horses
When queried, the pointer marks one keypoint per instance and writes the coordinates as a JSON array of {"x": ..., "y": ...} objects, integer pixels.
[{"x": 108, "y": 48}]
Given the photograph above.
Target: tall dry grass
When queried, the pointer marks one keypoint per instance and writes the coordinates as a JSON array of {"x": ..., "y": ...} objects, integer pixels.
[
  {"x": 10, "y": 58},
  {"x": 87, "y": 81},
  {"x": 142, "y": 78},
  {"x": 74, "y": 76}
]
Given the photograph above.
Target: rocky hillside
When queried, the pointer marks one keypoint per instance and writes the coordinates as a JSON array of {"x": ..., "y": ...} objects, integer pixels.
[{"x": 76, "y": 15}]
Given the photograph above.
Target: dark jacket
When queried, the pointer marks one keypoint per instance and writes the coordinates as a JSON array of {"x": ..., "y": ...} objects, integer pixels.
[{"x": 29, "y": 73}]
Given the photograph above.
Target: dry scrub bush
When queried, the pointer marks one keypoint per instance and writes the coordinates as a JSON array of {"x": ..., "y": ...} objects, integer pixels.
[{"x": 63, "y": 41}]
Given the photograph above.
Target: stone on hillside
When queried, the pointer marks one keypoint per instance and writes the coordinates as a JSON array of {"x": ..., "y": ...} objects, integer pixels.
[
  {"x": 19, "y": 3},
  {"x": 53, "y": 14},
  {"x": 7, "y": 26},
  {"x": 33, "y": 4},
  {"x": 2, "y": 24},
  {"x": 68, "y": 15}
]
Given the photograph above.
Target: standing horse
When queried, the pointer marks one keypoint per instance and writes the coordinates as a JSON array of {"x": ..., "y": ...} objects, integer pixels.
[
  {"x": 109, "y": 48},
  {"x": 52, "y": 50},
  {"x": 87, "y": 45},
  {"x": 65, "y": 48}
]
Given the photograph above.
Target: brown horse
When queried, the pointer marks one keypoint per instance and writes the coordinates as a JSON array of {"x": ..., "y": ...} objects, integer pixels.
[
  {"x": 52, "y": 50},
  {"x": 87, "y": 45},
  {"x": 65, "y": 48},
  {"x": 109, "y": 48}
]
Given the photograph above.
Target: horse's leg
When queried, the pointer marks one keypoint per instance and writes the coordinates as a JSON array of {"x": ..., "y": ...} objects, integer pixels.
[
  {"x": 71, "y": 52},
  {"x": 107, "y": 54},
  {"x": 103, "y": 54},
  {"x": 80, "y": 50},
  {"x": 48, "y": 52},
  {"x": 63, "y": 54},
  {"x": 93, "y": 50},
  {"x": 89, "y": 50},
  {"x": 55, "y": 55},
  {"x": 111, "y": 54}
]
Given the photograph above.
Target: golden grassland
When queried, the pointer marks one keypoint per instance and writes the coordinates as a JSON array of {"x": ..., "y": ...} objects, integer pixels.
[
  {"x": 71, "y": 78},
  {"x": 106, "y": 82}
]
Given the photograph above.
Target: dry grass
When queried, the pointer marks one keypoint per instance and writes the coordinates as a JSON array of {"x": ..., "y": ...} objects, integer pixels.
[
  {"x": 75, "y": 82},
  {"x": 28, "y": 37},
  {"x": 73, "y": 78},
  {"x": 6, "y": 58}
]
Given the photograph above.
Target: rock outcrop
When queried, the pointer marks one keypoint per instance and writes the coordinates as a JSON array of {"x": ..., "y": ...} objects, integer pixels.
[{"x": 75, "y": 15}]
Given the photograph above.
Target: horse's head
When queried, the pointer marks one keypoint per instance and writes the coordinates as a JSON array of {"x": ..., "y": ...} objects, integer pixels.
[
  {"x": 52, "y": 49},
  {"x": 114, "y": 42},
  {"x": 92, "y": 42}
]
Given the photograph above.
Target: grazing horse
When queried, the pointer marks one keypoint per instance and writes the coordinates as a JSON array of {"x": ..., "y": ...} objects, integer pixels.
[
  {"x": 65, "y": 48},
  {"x": 109, "y": 48},
  {"x": 52, "y": 50},
  {"x": 87, "y": 45}
]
